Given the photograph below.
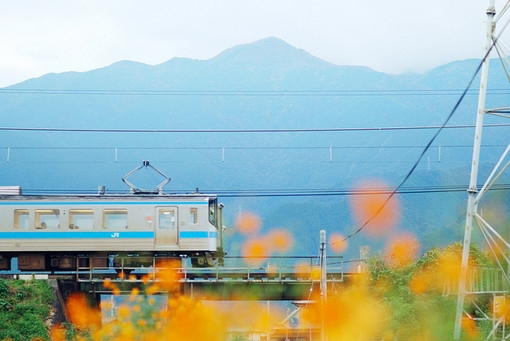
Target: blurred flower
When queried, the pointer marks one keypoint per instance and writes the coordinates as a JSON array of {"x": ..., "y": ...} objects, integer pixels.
[
  {"x": 168, "y": 275},
  {"x": 248, "y": 223},
  {"x": 81, "y": 314},
  {"x": 403, "y": 249},
  {"x": 337, "y": 243},
  {"x": 372, "y": 203},
  {"x": 255, "y": 250},
  {"x": 58, "y": 333},
  {"x": 134, "y": 294},
  {"x": 280, "y": 240},
  {"x": 470, "y": 329},
  {"x": 421, "y": 282}
]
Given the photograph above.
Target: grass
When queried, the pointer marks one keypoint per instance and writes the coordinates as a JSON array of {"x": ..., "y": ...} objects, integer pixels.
[{"x": 25, "y": 307}]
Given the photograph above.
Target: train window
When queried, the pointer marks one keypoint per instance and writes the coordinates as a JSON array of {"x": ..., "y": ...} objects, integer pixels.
[
  {"x": 47, "y": 219},
  {"x": 167, "y": 219},
  {"x": 213, "y": 212},
  {"x": 115, "y": 219},
  {"x": 21, "y": 219},
  {"x": 81, "y": 219},
  {"x": 193, "y": 215}
]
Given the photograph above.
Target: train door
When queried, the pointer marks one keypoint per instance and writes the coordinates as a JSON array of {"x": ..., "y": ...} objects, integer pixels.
[{"x": 167, "y": 229}]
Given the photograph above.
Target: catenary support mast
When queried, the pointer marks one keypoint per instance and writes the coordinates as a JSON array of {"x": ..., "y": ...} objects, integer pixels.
[{"x": 472, "y": 190}]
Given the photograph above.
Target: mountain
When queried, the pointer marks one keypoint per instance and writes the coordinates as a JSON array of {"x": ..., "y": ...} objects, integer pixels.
[{"x": 263, "y": 117}]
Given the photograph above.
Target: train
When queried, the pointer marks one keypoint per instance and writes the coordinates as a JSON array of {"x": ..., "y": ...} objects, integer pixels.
[{"x": 60, "y": 232}]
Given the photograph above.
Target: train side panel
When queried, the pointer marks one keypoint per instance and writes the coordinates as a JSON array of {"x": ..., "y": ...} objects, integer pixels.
[{"x": 128, "y": 224}]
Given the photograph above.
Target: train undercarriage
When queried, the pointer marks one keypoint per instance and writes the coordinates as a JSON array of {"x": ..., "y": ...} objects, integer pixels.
[{"x": 69, "y": 261}]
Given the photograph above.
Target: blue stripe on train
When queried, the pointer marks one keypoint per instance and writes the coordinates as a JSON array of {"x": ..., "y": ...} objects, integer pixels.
[
  {"x": 197, "y": 234},
  {"x": 98, "y": 235},
  {"x": 75, "y": 235}
]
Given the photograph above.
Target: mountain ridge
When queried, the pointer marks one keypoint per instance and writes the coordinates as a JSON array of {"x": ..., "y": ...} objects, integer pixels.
[{"x": 259, "y": 54}]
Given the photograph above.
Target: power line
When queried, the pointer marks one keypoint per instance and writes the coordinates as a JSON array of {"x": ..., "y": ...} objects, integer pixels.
[
  {"x": 251, "y": 93},
  {"x": 291, "y": 192},
  {"x": 276, "y": 130},
  {"x": 247, "y": 147},
  {"x": 347, "y": 192},
  {"x": 326, "y": 154}
]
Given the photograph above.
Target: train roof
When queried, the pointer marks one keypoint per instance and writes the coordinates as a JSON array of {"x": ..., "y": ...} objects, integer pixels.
[{"x": 15, "y": 193}]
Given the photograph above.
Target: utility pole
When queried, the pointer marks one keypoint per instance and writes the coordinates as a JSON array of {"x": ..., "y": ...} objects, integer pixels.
[
  {"x": 323, "y": 284},
  {"x": 473, "y": 190}
]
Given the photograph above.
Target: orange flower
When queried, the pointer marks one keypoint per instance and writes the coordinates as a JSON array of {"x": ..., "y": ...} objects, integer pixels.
[
  {"x": 123, "y": 312},
  {"x": 107, "y": 283},
  {"x": 81, "y": 314},
  {"x": 248, "y": 223},
  {"x": 58, "y": 333},
  {"x": 337, "y": 243},
  {"x": 142, "y": 323},
  {"x": 372, "y": 205},
  {"x": 152, "y": 289},
  {"x": 403, "y": 249},
  {"x": 255, "y": 250},
  {"x": 420, "y": 282},
  {"x": 168, "y": 274},
  {"x": 145, "y": 279},
  {"x": 134, "y": 294},
  {"x": 280, "y": 240}
]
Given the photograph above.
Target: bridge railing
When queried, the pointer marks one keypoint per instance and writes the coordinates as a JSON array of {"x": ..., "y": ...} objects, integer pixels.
[
  {"x": 482, "y": 280},
  {"x": 281, "y": 268}
]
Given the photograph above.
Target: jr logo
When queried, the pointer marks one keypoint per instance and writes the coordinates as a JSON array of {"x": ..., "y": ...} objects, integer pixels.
[{"x": 115, "y": 235}]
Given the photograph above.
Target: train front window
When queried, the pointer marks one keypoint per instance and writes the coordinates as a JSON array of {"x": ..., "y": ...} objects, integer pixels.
[
  {"x": 213, "y": 212},
  {"x": 81, "y": 219},
  {"x": 47, "y": 219},
  {"x": 21, "y": 219},
  {"x": 115, "y": 219}
]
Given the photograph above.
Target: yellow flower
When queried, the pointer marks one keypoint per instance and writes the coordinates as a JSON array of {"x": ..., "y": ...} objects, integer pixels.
[{"x": 134, "y": 294}]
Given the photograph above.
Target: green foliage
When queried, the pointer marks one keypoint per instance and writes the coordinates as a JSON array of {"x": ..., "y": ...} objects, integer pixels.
[
  {"x": 72, "y": 333},
  {"x": 24, "y": 307},
  {"x": 422, "y": 309},
  {"x": 392, "y": 286}
]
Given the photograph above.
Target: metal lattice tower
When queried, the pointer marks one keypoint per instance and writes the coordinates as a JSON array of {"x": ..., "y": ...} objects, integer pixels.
[{"x": 497, "y": 243}]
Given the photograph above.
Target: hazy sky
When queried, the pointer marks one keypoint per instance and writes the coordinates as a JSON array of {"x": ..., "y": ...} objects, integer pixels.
[{"x": 393, "y": 36}]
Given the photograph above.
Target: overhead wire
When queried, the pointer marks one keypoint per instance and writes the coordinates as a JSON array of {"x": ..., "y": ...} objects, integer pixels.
[
  {"x": 247, "y": 93},
  {"x": 502, "y": 12},
  {"x": 281, "y": 147},
  {"x": 286, "y": 192},
  {"x": 499, "y": 45},
  {"x": 262, "y": 130}
]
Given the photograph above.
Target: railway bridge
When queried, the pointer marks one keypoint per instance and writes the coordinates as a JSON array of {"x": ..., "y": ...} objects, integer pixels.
[
  {"x": 264, "y": 278},
  {"x": 241, "y": 278}
]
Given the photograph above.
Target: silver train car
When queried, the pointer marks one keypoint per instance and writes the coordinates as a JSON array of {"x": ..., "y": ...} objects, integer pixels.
[{"x": 50, "y": 232}]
